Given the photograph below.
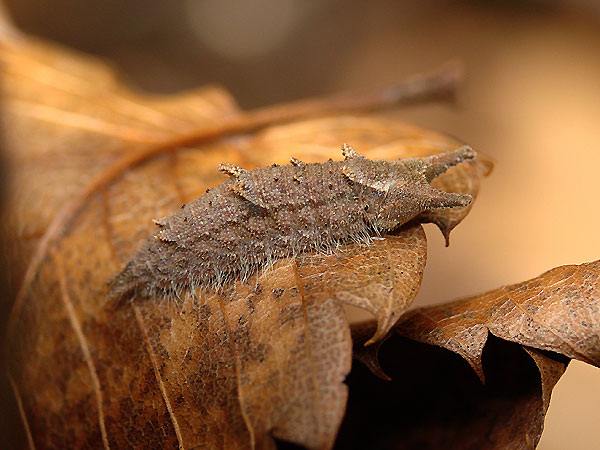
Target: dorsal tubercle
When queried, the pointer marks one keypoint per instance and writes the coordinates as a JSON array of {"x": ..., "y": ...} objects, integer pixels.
[
  {"x": 232, "y": 170},
  {"x": 349, "y": 153}
]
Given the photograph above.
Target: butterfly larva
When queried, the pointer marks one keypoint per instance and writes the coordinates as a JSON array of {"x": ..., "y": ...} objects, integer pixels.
[{"x": 275, "y": 212}]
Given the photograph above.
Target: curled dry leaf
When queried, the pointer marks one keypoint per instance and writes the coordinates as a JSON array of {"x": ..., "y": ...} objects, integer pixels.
[
  {"x": 558, "y": 311},
  {"x": 553, "y": 318},
  {"x": 265, "y": 359}
]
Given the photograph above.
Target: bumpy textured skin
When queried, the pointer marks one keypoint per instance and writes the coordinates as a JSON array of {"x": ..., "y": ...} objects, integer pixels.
[{"x": 274, "y": 212}]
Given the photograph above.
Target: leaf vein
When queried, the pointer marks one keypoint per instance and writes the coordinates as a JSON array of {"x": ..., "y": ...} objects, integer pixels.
[
  {"x": 21, "y": 411},
  {"x": 308, "y": 345},
  {"x": 161, "y": 385},
  {"x": 76, "y": 325},
  {"x": 237, "y": 372}
]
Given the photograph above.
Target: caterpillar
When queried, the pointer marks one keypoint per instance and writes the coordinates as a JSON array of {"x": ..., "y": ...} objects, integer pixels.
[{"x": 257, "y": 217}]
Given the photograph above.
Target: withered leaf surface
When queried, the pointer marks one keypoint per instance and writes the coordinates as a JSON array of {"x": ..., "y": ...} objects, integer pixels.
[
  {"x": 537, "y": 326},
  {"x": 372, "y": 278},
  {"x": 265, "y": 359},
  {"x": 558, "y": 311}
]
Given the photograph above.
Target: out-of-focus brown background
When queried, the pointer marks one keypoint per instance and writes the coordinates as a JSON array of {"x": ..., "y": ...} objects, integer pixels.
[{"x": 531, "y": 101}]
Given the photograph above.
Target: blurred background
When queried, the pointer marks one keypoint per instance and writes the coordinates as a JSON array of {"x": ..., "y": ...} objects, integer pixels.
[{"x": 531, "y": 101}]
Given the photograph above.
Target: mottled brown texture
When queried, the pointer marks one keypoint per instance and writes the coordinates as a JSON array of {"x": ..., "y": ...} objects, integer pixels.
[
  {"x": 277, "y": 212},
  {"x": 220, "y": 371},
  {"x": 380, "y": 283},
  {"x": 558, "y": 311}
]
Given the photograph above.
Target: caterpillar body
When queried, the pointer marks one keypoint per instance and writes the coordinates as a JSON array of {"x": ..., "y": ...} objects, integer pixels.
[{"x": 274, "y": 212}]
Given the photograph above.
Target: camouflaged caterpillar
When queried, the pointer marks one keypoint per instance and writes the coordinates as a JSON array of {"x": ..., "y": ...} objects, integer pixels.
[{"x": 274, "y": 212}]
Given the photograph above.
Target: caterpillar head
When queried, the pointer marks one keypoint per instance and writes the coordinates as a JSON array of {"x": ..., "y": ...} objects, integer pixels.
[{"x": 402, "y": 187}]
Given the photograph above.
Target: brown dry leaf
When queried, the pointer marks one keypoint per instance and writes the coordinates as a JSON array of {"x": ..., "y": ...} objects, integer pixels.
[
  {"x": 382, "y": 278},
  {"x": 553, "y": 318},
  {"x": 558, "y": 311},
  {"x": 66, "y": 120},
  {"x": 233, "y": 371}
]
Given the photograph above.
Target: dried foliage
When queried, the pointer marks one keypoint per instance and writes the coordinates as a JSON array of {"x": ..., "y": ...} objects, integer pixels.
[
  {"x": 536, "y": 327},
  {"x": 94, "y": 163}
]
